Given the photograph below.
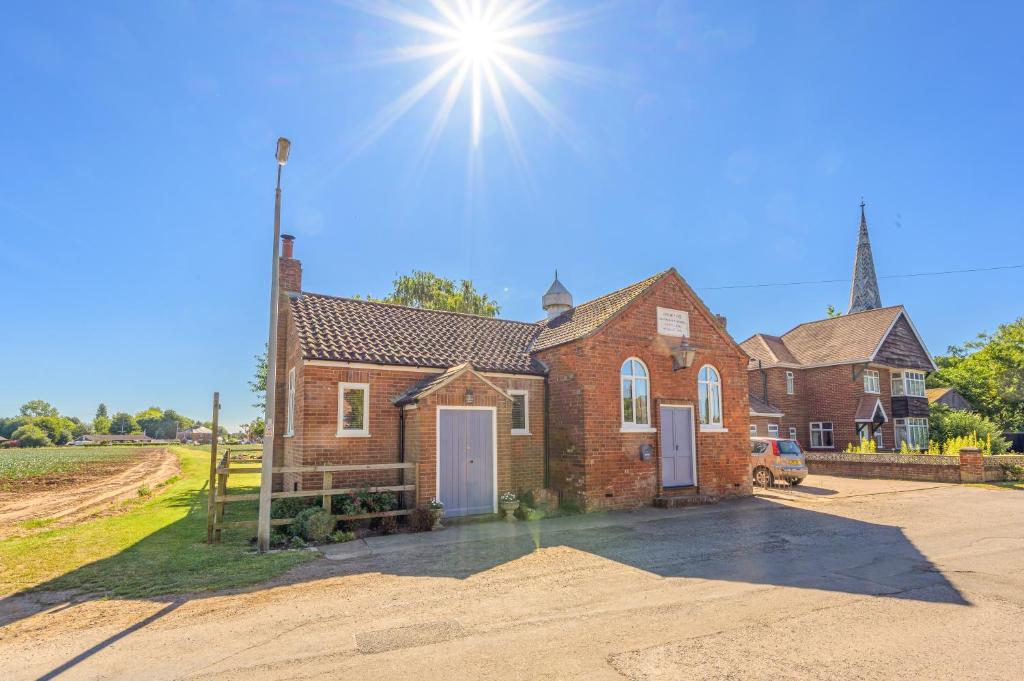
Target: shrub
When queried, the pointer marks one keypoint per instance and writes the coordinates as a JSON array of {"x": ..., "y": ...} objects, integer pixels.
[
  {"x": 345, "y": 504},
  {"x": 31, "y": 436},
  {"x": 314, "y": 525},
  {"x": 340, "y": 537},
  {"x": 279, "y": 540},
  {"x": 388, "y": 524},
  {"x": 290, "y": 507},
  {"x": 866, "y": 446},
  {"x": 144, "y": 491},
  {"x": 297, "y": 543},
  {"x": 1012, "y": 472},
  {"x": 946, "y": 425}
]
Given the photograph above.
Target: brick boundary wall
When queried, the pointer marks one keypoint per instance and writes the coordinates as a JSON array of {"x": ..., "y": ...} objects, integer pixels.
[{"x": 970, "y": 467}]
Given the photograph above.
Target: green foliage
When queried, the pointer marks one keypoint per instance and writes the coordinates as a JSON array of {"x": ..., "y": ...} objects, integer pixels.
[
  {"x": 31, "y": 436},
  {"x": 290, "y": 507},
  {"x": 340, "y": 537},
  {"x": 10, "y": 424},
  {"x": 428, "y": 291},
  {"x": 123, "y": 422},
  {"x": 101, "y": 425},
  {"x": 832, "y": 312},
  {"x": 313, "y": 525},
  {"x": 1013, "y": 472},
  {"x": 34, "y": 408},
  {"x": 866, "y": 446},
  {"x": 946, "y": 425},
  {"x": 144, "y": 491},
  {"x": 101, "y": 411},
  {"x": 259, "y": 382},
  {"x": 989, "y": 372}
]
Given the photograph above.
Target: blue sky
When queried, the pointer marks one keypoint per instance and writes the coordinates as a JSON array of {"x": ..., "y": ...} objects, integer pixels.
[{"x": 731, "y": 140}]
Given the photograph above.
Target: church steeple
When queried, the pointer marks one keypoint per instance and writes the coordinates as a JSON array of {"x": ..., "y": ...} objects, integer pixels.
[{"x": 864, "y": 287}]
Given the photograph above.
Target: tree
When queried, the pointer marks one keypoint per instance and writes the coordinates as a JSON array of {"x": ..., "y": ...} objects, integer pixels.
[
  {"x": 258, "y": 384},
  {"x": 11, "y": 424},
  {"x": 989, "y": 372},
  {"x": 832, "y": 312},
  {"x": 150, "y": 420},
  {"x": 101, "y": 411},
  {"x": 123, "y": 423},
  {"x": 35, "y": 408},
  {"x": 31, "y": 436},
  {"x": 101, "y": 425},
  {"x": 428, "y": 291},
  {"x": 944, "y": 423},
  {"x": 255, "y": 429}
]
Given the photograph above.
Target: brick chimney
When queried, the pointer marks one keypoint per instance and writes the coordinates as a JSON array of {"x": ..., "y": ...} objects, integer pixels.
[{"x": 291, "y": 269}]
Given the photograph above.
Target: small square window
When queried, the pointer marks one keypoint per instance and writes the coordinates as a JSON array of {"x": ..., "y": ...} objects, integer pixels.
[
  {"x": 872, "y": 384},
  {"x": 353, "y": 402},
  {"x": 773, "y": 430},
  {"x": 753, "y": 429},
  {"x": 792, "y": 433},
  {"x": 520, "y": 412}
]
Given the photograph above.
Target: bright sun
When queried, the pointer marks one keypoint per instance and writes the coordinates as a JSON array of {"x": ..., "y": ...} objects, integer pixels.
[{"x": 477, "y": 44}]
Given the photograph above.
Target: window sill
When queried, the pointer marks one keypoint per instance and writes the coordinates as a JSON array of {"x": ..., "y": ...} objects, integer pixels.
[
  {"x": 288, "y": 435},
  {"x": 872, "y": 392},
  {"x": 354, "y": 433},
  {"x": 521, "y": 432},
  {"x": 641, "y": 429},
  {"x": 713, "y": 429}
]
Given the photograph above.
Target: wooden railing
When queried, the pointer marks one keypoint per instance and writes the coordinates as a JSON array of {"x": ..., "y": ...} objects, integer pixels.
[{"x": 225, "y": 467}]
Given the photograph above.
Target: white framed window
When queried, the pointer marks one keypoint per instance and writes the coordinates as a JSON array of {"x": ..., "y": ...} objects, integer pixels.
[
  {"x": 753, "y": 429},
  {"x": 913, "y": 431},
  {"x": 821, "y": 435},
  {"x": 792, "y": 433},
  {"x": 636, "y": 394},
  {"x": 520, "y": 411},
  {"x": 789, "y": 383},
  {"x": 864, "y": 433},
  {"x": 773, "y": 430},
  {"x": 353, "y": 410},
  {"x": 289, "y": 414},
  {"x": 909, "y": 383},
  {"x": 709, "y": 394},
  {"x": 872, "y": 384}
]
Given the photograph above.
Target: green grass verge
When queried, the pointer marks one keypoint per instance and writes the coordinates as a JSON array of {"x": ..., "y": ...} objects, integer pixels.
[
  {"x": 1002, "y": 485},
  {"x": 156, "y": 547}
]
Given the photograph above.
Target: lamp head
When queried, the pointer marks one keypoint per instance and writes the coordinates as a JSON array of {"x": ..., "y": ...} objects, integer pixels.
[{"x": 283, "y": 147}]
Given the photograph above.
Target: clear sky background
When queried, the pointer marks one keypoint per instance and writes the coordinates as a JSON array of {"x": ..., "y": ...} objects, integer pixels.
[{"x": 731, "y": 140}]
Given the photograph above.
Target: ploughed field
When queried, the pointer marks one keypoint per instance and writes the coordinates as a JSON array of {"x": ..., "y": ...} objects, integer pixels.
[{"x": 31, "y": 469}]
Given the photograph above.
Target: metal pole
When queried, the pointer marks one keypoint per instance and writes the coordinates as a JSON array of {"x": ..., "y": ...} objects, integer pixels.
[
  {"x": 266, "y": 467},
  {"x": 210, "y": 507}
]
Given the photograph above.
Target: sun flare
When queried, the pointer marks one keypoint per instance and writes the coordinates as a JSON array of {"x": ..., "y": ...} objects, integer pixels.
[{"x": 481, "y": 46}]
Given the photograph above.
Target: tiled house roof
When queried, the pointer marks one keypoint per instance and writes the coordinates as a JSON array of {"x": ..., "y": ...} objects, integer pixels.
[
  {"x": 762, "y": 408},
  {"x": 853, "y": 337},
  {"x": 347, "y": 330},
  {"x": 588, "y": 317}
]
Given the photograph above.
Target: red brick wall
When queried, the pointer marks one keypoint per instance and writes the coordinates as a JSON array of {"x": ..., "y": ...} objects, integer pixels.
[
  {"x": 885, "y": 470},
  {"x": 590, "y": 457}
]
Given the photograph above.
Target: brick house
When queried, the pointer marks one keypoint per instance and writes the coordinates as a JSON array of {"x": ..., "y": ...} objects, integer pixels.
[
  {"x": 831, "y": 382},
  {"x": 635, "y": 396}
]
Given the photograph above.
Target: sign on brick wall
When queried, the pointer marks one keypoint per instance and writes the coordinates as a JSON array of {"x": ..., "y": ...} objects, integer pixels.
[{"x": 673, "y": 322}]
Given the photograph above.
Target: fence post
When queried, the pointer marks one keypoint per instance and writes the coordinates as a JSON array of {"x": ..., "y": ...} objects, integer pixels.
[
  {"x": 210, "y": 507},
  {"x": 328, "y": 484},
  {"x": 972, "y": 465}
]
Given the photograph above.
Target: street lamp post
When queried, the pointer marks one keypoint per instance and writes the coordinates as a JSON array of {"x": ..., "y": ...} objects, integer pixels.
[{"x": 267, "y": 464}]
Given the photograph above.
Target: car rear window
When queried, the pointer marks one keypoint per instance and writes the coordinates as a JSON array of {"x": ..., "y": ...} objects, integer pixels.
[
  {"x": 789, "y": 447},
  {"x": 758, "y": 447}
]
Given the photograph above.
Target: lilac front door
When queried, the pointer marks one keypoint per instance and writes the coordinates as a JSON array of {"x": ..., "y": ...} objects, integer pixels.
[
  {"x": 677, "y": 469},
  {"x": 465, "y": 459}
]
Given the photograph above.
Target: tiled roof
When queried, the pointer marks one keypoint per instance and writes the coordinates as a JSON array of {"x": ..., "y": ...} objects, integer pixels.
[
  {"x": 759, "y": 406},
  {"x": 866, "y": 408},
  {"x": 347, "y": 330},
  {"x": 934, "y": 394},
  {"x": 850, "y": 338},
  {"x": 588, "y": 317}
]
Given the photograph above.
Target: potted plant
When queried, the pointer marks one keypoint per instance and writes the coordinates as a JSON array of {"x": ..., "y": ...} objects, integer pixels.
[
  {"x": 509, "y": 504},
  {"x": 436, "y": 509}
]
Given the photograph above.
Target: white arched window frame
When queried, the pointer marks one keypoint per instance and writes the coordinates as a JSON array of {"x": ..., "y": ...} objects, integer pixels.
[
  {"x": 635, "y": 394},
  {"x": 709, "y": 396}
]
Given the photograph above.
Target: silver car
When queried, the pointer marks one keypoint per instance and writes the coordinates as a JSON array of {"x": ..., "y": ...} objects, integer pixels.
[{"x": 777, "y": 459}]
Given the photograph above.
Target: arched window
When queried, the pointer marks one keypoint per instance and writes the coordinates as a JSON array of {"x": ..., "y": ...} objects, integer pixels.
[
  {"x": 636, "y": 394},
  {"x": 709, "y": 393}
]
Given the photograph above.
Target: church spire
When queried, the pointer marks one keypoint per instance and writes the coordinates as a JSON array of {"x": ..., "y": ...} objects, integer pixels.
[{"x": 864, "y": 287}]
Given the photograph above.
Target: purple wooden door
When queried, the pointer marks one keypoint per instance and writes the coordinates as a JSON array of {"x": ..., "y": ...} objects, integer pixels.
[
  {"x": 466, "y": 461},
  {"x": 677, "y": 447}
]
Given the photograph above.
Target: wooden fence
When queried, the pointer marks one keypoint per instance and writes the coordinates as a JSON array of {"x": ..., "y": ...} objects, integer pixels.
[{"x": 219, "y": 497}]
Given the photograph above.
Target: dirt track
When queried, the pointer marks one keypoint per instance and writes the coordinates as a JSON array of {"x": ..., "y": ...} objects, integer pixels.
[{"x": 72, "y": 504}]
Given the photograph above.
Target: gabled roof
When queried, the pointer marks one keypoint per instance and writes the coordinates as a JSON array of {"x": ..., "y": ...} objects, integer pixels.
[
  {"x": 848, "y": 339},
  {"x": 348, "y": 330},
  {"x": 867, "y": 407},
  {"x": 935, "y": 394},
  {"x": 586, "y": 318},
  {"x": 759, "y": 407},
  {"x": 430, "y": 384}
]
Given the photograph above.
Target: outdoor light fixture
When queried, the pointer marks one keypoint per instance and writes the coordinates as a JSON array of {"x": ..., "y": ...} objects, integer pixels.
[
  {"x": 283, "y": 147},
  {"x": 469, "y": 396},
  {"x": 682, "y": 356}
]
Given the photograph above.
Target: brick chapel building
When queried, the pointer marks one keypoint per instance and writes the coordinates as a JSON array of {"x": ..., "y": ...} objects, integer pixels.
[
  {"x": 637, "y": 396},
  {"x": 832, "y": 382}
]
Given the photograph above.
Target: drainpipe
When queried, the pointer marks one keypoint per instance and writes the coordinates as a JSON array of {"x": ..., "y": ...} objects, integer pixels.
[
  {"x": 547, "y": 434},
  {"x": 764, "y": 380},
  {"x": 401, "y": 434}
]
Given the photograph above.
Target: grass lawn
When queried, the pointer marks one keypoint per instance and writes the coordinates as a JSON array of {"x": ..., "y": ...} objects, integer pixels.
[
  {"x": 20, "y": 465},
  {"x": 157, "y": 547},
  {"x": 1019, "y": 484}
]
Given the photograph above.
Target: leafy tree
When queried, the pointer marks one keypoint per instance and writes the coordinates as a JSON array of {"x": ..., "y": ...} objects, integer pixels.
[
  {"x": 122, "y": 422},
  {"x": 255, "y": 429},
  {"x": 10, "y": 424},
  {"x": 101, "y": 424},
  {"x": 31, "y": 435},
  {"x": 101, "y": 411},
  {"x": 428, "y": 291},
  {"x": 258, "y": 384},
  {"x": 945, "y": 423},
  {"x": 35, "y": 408},
  {"x": 59, "y": 430},
  {"x": 989, "y": 372}
]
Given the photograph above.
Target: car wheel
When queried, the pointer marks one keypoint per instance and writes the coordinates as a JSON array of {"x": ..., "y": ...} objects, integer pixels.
[
  {"x": 763, "y": 477},
  {"x": 795, "y": 481}
]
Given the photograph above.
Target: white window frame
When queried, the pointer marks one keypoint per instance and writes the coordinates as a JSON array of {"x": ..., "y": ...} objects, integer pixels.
[
  {"x": 906, "y": 427},
  {"x": 753, "y": 429},
  {"x": 773, "y": 430},
  {"x": 790, "y": 387},
  {"x": 526, "y": 412},
  {"x": 902, "y": 381},
  {"x": 289, "y": 414},
  {"x": 353, "y": 432},
  {"x": 819, "y": 428},
  {"x": 710, "y": 426},
  {"x": 872, "y": 382},
  {"x": 792, "y": 432},
  {"x": 634, "y": 426}
]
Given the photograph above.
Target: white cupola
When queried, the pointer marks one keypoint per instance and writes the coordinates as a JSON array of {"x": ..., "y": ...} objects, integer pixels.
[{"x": 557, "y": 300}]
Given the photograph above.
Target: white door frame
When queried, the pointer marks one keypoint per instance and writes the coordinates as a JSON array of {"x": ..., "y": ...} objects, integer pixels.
[
  {"x": 494, "y": 448},
  {"x": 693, "y": 440}
]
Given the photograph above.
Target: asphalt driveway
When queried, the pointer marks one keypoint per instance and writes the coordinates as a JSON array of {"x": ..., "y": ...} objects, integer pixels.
[{"x": 840, "y": 579}]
